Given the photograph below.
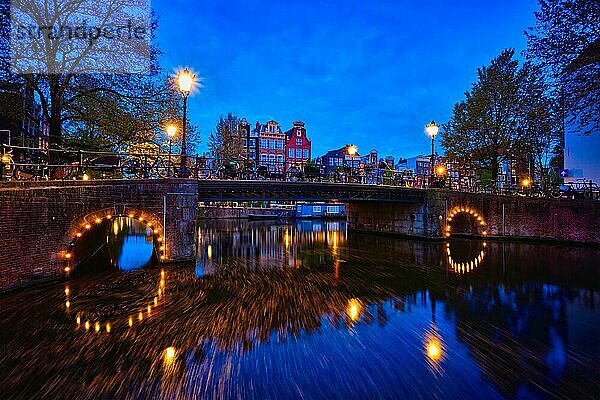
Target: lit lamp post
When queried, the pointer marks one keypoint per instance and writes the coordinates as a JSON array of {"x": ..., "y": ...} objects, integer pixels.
[
  {"x": 185, "y": 81},
  {"x": 441, "y": 173},
  {"x": 171, "y": 132},
  {"x": 351, "y": 150},
  {"x": 526, "y": 183},
  {"x": 432, "y": 130}
]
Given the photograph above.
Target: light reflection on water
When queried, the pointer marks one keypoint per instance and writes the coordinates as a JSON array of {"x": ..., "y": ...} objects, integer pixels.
[{"x": 307, "y": 310}]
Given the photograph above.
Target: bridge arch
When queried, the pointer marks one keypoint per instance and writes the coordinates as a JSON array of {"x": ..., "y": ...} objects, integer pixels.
[
  {"x": 83, "y": 224},
  {"x": 470, "y": 214}
]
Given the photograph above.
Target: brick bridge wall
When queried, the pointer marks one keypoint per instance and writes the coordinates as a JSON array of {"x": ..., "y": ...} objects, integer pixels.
[
  {"x": 504, "y": 216},
  {"x": 37, "y": 219}
]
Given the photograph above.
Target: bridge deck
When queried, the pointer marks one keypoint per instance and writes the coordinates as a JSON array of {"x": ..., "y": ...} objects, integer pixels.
[{"x": 220, "y": 190}]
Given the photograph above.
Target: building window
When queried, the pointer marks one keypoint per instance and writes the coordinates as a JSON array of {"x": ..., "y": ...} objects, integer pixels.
[
  {"x": 280, "y": 158},
  {"x": 299, "y": 142},
  {"x": 263, "y": 143},
  {"x": 271, "y": 144},
  {"x": 279, "y": 144},
  {"x": 305, "y": 153},
  {"x": 298, "y": 132},
  {"x": 333, "y": 209},
  {"x": 263, "y": 158},
  {"x": 331, "y": 161},
  {"x": 316, "y": 209},
  {"x": 298, "y": 153},
  {"x": 291, "y": 153}
]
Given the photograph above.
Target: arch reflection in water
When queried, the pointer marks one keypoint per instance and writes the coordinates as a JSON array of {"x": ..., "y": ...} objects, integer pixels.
[
  {"x": 464, "y": 257},
  {"x": 130, "y": 244}
]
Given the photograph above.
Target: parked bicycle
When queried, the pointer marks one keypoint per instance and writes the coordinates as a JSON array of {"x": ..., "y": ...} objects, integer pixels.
[
  {"x": 146, "y": 166},
  {"x": 22, "y": 163}
]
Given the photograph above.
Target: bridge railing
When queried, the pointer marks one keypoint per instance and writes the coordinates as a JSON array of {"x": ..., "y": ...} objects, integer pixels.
[{"x": 28, "y": 163}]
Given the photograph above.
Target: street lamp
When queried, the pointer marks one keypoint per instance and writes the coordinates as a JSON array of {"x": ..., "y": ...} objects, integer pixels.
[
  {"x": 432, "y": 130},
  {"x": 352, "y": 150},
  {"x": 171, "y": 132},
  {"x": 185, "y": 81}
]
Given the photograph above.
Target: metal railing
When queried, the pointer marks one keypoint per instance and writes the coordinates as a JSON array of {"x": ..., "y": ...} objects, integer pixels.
[{"x": 27, "y": 163}]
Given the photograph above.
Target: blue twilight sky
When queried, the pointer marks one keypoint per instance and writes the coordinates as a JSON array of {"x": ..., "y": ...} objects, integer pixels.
[{"x": 371, "y": 73}]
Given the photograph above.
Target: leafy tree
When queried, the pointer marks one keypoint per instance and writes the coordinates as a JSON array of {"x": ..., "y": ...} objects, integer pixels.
[
  {"x": 484, "y": 128},
  {"x": 508, "y": 115},
  {"x": 540, "y": 121},
  {"x": 105, "y": 120},
  {"x": 225, "y": 142},
  {"x": 566, "y": 40}
]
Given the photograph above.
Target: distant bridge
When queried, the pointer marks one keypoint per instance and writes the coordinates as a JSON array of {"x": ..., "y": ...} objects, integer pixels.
[{"x": 233, "y": 190}]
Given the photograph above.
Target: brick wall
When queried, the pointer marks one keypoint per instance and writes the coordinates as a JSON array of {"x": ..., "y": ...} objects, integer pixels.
[
  {"x": 38, "y": 220},
  {"x": 504, "y": 216}
]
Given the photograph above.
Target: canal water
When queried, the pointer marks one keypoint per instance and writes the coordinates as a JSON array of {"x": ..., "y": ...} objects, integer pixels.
[{"x": 308, "y": 310}]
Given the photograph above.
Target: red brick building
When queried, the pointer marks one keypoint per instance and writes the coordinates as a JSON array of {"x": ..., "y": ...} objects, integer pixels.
[{"x": 298, "y": 146}]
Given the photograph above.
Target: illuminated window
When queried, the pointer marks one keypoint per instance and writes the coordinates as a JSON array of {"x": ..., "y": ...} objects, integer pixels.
[{"x": 291, "y": 153}]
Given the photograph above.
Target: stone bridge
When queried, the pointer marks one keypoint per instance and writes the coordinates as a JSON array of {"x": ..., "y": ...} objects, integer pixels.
[{"x": 41, "y": 221}]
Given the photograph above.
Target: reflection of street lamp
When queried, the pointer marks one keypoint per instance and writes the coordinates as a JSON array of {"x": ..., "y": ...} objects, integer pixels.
[
  {"x": 434, "y": 349},
  {"x": 441, "y": 170},
  {"x": 432, "y": 130},
  {"x": 185, "y": 81},
  {"x": 171, "y": 132},
  {"x": 526, "y": 183},
  {"x": 354, "y": 309}
]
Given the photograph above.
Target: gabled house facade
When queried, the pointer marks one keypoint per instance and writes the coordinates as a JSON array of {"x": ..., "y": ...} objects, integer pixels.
[
  {"x": 298, "y": 146},
  {"x": 271, "y": 145}
]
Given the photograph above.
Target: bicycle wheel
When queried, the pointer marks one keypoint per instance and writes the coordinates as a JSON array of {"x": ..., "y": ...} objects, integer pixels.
[
  {"x": 131, "y": 168},
  {"x": 163, "y": 169},
  {"x": 25, "y": 173}
]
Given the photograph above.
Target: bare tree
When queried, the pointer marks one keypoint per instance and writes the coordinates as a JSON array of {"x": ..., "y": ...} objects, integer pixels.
[{"x": 92, "y": 67}]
